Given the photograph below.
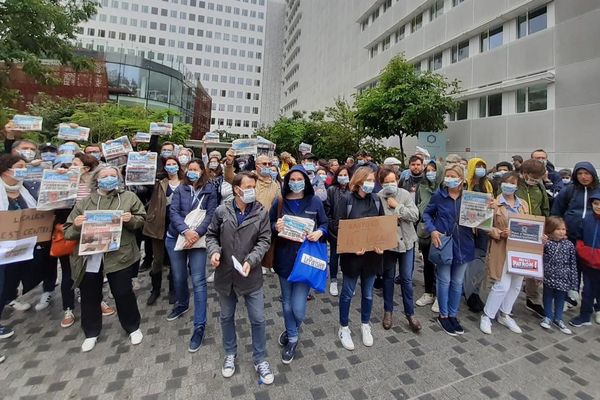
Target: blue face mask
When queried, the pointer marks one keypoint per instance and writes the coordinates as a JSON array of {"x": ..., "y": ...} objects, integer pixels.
[
  {"x": 297, "y": 186},
  {"x": 480, "y": 172},
  {"x": 48, "y": 156},
  {"x": 368, "y": 187},
  {"x": 452, "y": 183},
  {"x": 193, "y": 176},
  {"x": 389, "y": 188},
  {"x": 171, "y": 169},
  {"x": 508, "y": 188},
  {"x": 309, "y": 167},
  {"x": 343, "y": 179},
  {"x": 361, "y": 162},
  {"x": 166, "y": 153},
  {"x": 108, "y": 183},
  {"x": 274, "y": 174},
  {"x": 431, "y": 175},
  {"x": 265, "y": 171},
  {"x": 96, "y": 155}
]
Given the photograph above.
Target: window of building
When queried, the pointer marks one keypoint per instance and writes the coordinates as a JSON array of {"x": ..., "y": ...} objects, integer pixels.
[
  {"x": 491, "y": 39},
  {"x": 435, "y": 62},
  {"x": 364, "y": 24},
  {"x": 532, "y": 22},
  {"x": 373, "y": 51},
  {"x": 386, "y": 5},
  {"x": 490, "y": 106},
  {"x": 532, "y": 98},
  {"x": 416, "y": 23},
  {"x": 436, "y": 9},
  {"x": 456, "y": 2},
  {"x": 386, "y": 43},
  {"x": 375, "y": 15},
  {"x": 461, "y": 112},
  {"x": 460, "y": 51},
  {"x": 400, "y": 33}
]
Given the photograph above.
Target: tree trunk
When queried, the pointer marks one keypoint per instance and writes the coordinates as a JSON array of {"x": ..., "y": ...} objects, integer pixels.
[{"x": 402, "y": 150}]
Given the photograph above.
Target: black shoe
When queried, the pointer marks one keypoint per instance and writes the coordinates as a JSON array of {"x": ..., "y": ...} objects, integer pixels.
[
  {"x": 172, "y": 298},
  {"x": 378, "y": 283},
  {"x": 177, "y": 312},
  {"x": 196, "y": 340},
  {"x": 310, "y": 297},
  {"x": 283, "y": 339},
  {"x": 572, "y": 302},
  {"x": 458, "y": 329},
  {"x": 536, "y": 308},
  {"x": 475, "y": 304},
  {"x": 153, "y": 297},
  {"x": 446, "y": 325},
  {"x": 288, "y": 352}
]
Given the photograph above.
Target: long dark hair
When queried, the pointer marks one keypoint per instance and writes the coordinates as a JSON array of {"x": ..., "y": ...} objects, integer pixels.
[
  {"x": 334, "y": 181},
  {"x": 203, "y": 175}
]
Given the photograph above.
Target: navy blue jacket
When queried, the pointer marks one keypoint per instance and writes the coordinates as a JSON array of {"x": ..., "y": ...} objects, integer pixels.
[
  {"x": 442, "y": 215},
  {"x": 184, "y": 201},
  {"x": 572, "y": 201},
  {"x": 310, "y": 207}
]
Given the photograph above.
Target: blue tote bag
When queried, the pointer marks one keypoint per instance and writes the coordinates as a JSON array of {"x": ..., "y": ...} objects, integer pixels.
[
  {"x": 443, "y": 255},
  {"x": 310, "y": 266}
]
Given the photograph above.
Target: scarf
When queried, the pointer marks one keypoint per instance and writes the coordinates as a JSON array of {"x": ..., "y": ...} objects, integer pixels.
[{"x": 4, "y": 188}]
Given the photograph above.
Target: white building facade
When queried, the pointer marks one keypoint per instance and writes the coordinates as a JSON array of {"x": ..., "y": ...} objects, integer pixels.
[
  {"x": 529, "y": 70},
  {"x": 221, "y": 43}
]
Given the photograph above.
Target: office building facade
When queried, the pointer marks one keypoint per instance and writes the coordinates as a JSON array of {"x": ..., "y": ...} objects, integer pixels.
[{"x": 529, "y": 70}]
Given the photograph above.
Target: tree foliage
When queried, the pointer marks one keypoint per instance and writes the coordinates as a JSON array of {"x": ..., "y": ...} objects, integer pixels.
[
  {"x": 33, "y": 30},
  {"x": 405, "y": 102}
]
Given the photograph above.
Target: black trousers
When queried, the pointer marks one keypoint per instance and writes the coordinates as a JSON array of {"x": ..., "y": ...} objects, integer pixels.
[{"x": 125, "y": 300}]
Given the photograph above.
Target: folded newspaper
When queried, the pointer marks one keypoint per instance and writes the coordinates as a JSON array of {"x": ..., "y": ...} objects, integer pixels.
[
  {"x": 142, "y": 137},
  {"x": 161, "y": 128},
  {"x": 100, "y": 232},
  {"x": 58, "y": 190},
  {"x": 296, "y": 228},
  {"x": 141, "y": 168},
  {"x": 65, "y": 132},
  {"x": 116, "y": 150},
  {"x": 245, "y": 147},
  {"x": 26, "y": 123}
]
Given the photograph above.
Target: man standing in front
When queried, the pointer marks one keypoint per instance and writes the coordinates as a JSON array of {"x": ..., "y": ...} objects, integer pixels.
[{"x": 240, "y": 229}]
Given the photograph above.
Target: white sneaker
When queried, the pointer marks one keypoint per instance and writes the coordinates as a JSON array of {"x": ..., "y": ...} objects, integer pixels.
[
  {"x": 136, "y": 284},
  {"x": 19, "y": 305},
  {"x": 265, "y": 270},
  {"x": 563, "y": 328},
  {"x": 435, "y": 307},
  {"x": 211, "y": 278},
  {"x": 228, "y": 368},
  {"x": 597, "y": 317},
  {"x": 45, "y": 300},
  {"x": 508, "y": 322},
  {"x": 346, "y": 338},
  {"x": 485, "y": 325},
  {"x": 333, "y": 288},
  {"x": 367, "y": 338},
  {"x": 546, "y": 323},
  {"x": 136, "y": 337},
  {"x": 110, "y": 295},
  {"x": 426, "y": 299},
  {"x": 88, "y": 344}
]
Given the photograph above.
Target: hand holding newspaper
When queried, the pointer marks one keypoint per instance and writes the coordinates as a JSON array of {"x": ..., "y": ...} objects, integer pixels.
[{"x": 238, "y": 266}]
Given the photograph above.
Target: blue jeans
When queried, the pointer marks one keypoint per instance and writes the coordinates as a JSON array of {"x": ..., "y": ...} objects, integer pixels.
[
  {"x": 450, "y": 280},
  {"x": 366, "y": 303},
  {"x": 195, "y": 259},
  {"x": 557, "y": 297},
  {"x": 334, "y": 260},
  {"x": 591, "y": 291},
  {"x": 405, "y": 260},
  {"x": 2, "y": 297},
  {"x": 255, "y": 305},
  {"x": 294, "y": 306}
]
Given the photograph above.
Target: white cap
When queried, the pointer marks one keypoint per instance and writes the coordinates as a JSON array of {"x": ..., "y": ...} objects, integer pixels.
[
  {"x": 421, "y": 150},
  {"x": 392, "y": 161}
]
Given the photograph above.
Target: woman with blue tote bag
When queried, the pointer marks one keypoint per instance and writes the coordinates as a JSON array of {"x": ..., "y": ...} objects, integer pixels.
[{"x": 452, "y": 247}]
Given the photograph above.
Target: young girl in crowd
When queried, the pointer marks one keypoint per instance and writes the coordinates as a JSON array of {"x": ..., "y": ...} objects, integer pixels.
[
  {"x": 560, "y": 273},
  {"x": 507, "y": 286}
]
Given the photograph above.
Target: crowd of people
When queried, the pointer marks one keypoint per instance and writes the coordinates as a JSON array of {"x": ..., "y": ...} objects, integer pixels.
[{"x": 204, "y": 215}]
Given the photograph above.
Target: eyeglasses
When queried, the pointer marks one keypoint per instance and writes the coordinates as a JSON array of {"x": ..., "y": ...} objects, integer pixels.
[{"x": 266, "y": 164}]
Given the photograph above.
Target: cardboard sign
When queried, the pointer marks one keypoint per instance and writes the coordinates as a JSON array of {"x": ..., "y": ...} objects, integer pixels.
[
  {"x": 367, "y": 233},
  {"x": 524, "y": 246},
  {"x": 15, "y": 225}
]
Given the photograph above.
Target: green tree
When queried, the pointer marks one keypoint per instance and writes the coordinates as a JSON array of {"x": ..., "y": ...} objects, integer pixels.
[
  {"x": 32, "y": 30},
  {"x": 405, "y": 102}
]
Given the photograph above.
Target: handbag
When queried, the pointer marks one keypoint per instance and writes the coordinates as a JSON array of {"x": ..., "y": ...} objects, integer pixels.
[
  {"x": 443, "y": 255},
  {"x": 310, "y": 266},
  {"x": 193, "y": 221},
  {"x": 60, "y": 246}
]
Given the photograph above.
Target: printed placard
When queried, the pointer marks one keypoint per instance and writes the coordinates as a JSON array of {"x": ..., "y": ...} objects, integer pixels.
[
  {"x": 141, "y": 168},
  {"x": 26, "y": 123},
  {"x": 475, "y": 211},
  {"x": 161, "y": 128},
  {"x": 142, "y": 137},
  {"x": 77, "y": 134}
]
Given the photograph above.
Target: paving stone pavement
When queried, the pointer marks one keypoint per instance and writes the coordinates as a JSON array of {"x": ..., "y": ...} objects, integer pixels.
[{"x": 45, "y": 361}]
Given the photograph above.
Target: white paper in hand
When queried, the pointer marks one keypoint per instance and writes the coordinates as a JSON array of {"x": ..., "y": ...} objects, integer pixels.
[{"x": 237, "y": 265}]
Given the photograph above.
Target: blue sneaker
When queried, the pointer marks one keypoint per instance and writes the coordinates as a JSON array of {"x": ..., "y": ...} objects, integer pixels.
[
  {"x": 579, "y": 321},
  {"x": 458, "y": 329},
  {"x": 196, "y": 340},
  {"x": 5, "y": 332},
  {"x": 177, "y": 312},
  {"x": 447, "y": 326}
]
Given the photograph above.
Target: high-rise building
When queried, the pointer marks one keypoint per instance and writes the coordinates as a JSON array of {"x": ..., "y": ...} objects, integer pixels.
[
  {"x": 529, "y": 70},
  {"x": 220, "y": 43}
]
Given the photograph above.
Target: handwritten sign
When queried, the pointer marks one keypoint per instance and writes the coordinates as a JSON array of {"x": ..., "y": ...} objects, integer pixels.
[
  {"x": 15, "y": 225},
  {"x": 368, "y": 233},
  {"x": 524, "y": 246}
]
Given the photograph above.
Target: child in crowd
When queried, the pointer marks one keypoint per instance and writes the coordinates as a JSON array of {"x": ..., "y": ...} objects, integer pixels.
[
  {"x": 560, "y": 273},
  {"x": 588, "y": 251}
]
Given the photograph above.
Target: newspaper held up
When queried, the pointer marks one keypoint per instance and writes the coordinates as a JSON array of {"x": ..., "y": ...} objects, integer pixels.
[
  {"x": 296, "y": 228},
  {"x": 141, "y": 168},
  {"x": 142, "y": 137},
  {"x": 58, "y": 190},
  {"x": 34, "y": 172},
  {"x": 101, "y": 232},
  {"x": 475, "y": 211},
  {"x": 12, "y": 251},
  {"x": 245, "y": 147},
  {"x": 26, "y": 123},
  {"x": 211, "y": 137},
  {"x": 78, "y": 134},
  {"x": 304, "y": 148},
  {"x": 115, "y": 151},
  {"x": 161, "y": 128}
]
